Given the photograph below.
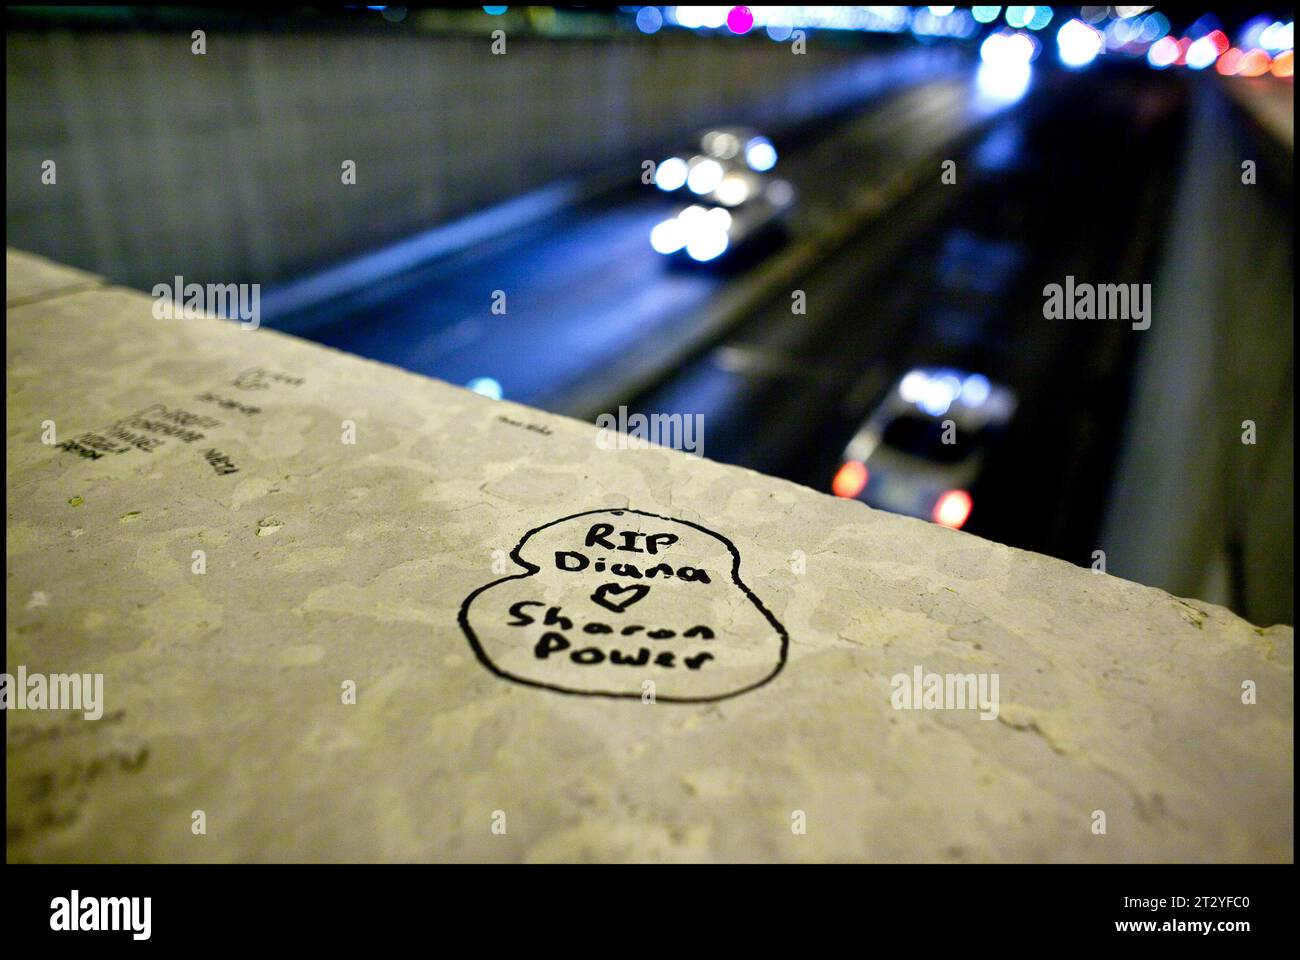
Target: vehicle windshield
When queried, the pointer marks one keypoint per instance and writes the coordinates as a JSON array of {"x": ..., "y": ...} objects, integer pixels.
[{"x": 922, "y": 437}]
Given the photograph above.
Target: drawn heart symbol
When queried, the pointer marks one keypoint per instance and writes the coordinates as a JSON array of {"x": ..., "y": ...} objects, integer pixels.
[{"x": 637, "y": 591}]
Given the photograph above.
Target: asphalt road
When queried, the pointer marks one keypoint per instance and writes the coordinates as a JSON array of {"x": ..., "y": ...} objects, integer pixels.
[
  {"x": 583, "y": 290},
  {"x": 956, "y": 278},
  {"x": 946, "y": 274}
]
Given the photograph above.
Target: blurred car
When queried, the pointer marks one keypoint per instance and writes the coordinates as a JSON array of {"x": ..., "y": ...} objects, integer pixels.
[
  {"x": 719, "y": 151},
  {"x": 739, "y": 201},
  {"x": 701, "y": 233},
  {"x": 921, "y": 451}
]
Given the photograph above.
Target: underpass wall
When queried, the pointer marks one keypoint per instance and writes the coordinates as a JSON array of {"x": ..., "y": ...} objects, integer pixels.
[
  {"x": 1195, "y": 510},
  {"x": 228, "y": 166}
]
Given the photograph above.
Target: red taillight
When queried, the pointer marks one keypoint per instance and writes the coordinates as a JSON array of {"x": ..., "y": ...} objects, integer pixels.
[
  {"x": 952, "y": 509},
  {"x": 1230, "y": 62},
  {"x": 1255, "y": 64},
  {"x": 850, "y": 479}
]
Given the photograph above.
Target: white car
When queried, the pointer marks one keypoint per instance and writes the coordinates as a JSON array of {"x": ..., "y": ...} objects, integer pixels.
[
  {"x": 922, "y": 449},
  {"x": 735, "y": 198},
  {"x": 722, "y": 156}
]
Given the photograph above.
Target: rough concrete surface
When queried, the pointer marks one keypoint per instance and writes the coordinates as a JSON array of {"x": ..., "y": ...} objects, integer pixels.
[{"x": 434, "y": 565}]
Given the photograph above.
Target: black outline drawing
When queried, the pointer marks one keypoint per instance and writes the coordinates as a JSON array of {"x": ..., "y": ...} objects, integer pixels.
[
  {"x": 640, "y": 591},
  {"x": 531, "y": 568}
]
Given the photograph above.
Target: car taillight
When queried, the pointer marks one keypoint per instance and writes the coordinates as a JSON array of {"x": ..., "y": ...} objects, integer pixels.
[
  {"x": 952, "y": 509},
  {"x": 850, "y": 480}
]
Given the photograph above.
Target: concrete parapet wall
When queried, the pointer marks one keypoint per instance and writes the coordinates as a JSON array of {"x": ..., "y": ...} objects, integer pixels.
[{"x": 429, "y": 565}]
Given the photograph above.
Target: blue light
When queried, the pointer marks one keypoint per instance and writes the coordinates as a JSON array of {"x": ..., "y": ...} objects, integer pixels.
[
  {"x": 912, "y": 387},
  {"x": 707, "y": 246},
  {"x": 1154, "y": 26},
  {"x": 952, "y": 23},
  {"x": 1253, "y": 32},
  {"x": 300, "y": 297},
  {"x": 939, "y": 393},
  {"x": 1078, "y": 44},
  {"x": 985, "y": 14},
  {"x": 779, "y": 31},
  {"x": 495, "y": 11},
  {"x": 487, "y": 387},
  {"x": 760, "y": 154},
  {"x": 975, "y": 389},
  {"x": 1204, "y": 26},
  {"x": 1002, "y": 84},
  {"x": 1004, "y": 75},
  {"x": 935, "y": 408},
  {"x": 1278, "y": 36},
  {"x": 1007, "y": 49},
  {"x": 668, "y": 237},
  {"x": 1120, "y": 32},
  {"x": 649, "y": 20},
  {"x": 705, "y": 176},
  {"x": 1019, "y": 16},
  {"x": 1202, "y": 53},
  {"x": 671, "y": 174}
]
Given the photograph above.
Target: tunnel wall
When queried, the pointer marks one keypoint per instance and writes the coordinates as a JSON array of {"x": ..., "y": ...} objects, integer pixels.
[
  {"x": 1195, "y": 510},
  {"x": 227, "y": 166}
]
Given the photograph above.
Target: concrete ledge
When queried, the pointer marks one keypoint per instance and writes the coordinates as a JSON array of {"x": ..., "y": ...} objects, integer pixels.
[
  {"x": 29, "y": 278},
  {"x": 387, "y": 563}
]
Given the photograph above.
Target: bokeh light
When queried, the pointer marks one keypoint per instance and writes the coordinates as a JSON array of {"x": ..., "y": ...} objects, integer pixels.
[
  {"x": 1078, "y": 44},
  {"x": 649, "y": 20},
  {"x": 740, "y": 20}
]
